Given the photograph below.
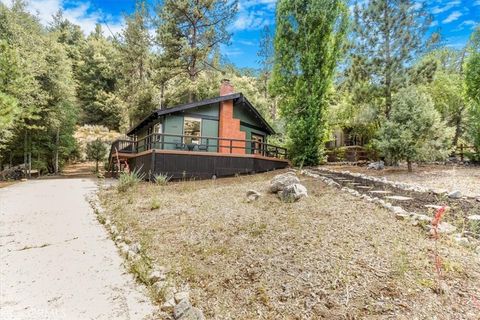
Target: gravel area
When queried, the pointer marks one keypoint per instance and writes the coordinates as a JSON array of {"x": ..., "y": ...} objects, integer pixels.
[
  {"x": 328, "y": 256},
  {"x": 447, "y": 177}
]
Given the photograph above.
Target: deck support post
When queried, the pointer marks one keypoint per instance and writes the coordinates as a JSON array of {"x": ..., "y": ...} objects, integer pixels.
[{"x": 152, "y": 166}]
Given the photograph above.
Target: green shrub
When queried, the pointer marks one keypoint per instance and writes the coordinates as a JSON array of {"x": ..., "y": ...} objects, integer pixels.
[
  {"x": 154, "y": 204},
  {"x": 129, "y": 180},
  {"x": 161, "y": 179}
]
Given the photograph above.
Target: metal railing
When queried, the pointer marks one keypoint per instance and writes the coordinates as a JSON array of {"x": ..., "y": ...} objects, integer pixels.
[{"x": 163, "y": 141}]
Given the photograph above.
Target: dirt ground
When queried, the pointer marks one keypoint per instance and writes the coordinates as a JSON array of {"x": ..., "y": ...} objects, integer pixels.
[
  {"x": 446, "y": 177},
  {"x": 57, "y": 261},
  {"x": 329, "y": 256}
]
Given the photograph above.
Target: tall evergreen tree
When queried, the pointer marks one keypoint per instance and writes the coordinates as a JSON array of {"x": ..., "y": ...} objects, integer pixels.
[
  {"x": 136, "y": 87},
  {"x": 387, "y": 36},
  {"x": 308, "y": 43},
  {"x": 98, "y": 76},
  {"x": 188, "y": 32}
]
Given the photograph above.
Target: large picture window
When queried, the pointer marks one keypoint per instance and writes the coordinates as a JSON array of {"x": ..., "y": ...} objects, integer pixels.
[{"x": 192, "y": 129}]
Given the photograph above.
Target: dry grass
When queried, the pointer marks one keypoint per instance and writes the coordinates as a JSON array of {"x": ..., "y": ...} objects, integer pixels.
[
  {"x": 447, "y": 177},
  {"x": 329, "y": 256}
]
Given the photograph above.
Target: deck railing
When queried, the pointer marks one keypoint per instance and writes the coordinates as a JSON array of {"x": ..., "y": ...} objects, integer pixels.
[{"x": 163, "y": 141}]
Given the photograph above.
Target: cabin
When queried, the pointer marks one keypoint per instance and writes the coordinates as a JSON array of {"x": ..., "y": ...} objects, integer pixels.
[{"x": 221, "y": 136}]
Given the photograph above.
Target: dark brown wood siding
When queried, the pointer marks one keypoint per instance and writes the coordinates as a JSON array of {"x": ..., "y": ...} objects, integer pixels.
[{"x": 181, "y": 166}]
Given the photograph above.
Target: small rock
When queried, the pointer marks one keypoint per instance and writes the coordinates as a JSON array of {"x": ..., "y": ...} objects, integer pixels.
[
  {"x": 182, "y": 295},
  {"x": 458, "y": 238},
  {"x": 136, "y": 247},
  {"x": 421, "y": 217},
  {"x": 168, "y": 305},
  {"x": 159, "y": 287},
  {"x": 402, "y": 216},
  {"x": 281, "y": 181},
  {"x": 379, "y": 165},
  {"x": 444, "y": 228},
  {"x": 132, "y": 255},
  {"x": 180, "y": 309},
  {"x": 118, "y": 239},
  {"x": 455, "y": 194},
  {"x": 474, "y": 217},
  {"x": 252, "y": 195},
  {"x": 398, "y": 210},
  {"x": 114, "y": 230},
  {"x": 156, "y": 275},
  {"x": 293, "y": 193},
  {"x": 124, "y": 248}
]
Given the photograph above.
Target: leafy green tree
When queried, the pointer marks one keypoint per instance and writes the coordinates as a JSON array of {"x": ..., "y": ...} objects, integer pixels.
[
  {"x": 472, "y": 81},
  {"x": 415, "y": 131},
  {"x": 447, "y": 92},
  {"x": 189, "y": 31},
  {"x": 387, "y": 36},
  {"x": 96, "y": 151},
  {"x": 308, "y": 43}
]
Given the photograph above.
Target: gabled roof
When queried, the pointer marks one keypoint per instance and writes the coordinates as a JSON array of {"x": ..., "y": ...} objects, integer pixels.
[{"x": 237, "y": 97}]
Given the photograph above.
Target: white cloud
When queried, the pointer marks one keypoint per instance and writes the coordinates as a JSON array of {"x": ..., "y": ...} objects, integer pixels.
[
  {"x": 446, "y": 7},
  {"x": 254, "y": 14},
  {"x": 80, "y": 13},
  {"x": 452, "y": 17}
]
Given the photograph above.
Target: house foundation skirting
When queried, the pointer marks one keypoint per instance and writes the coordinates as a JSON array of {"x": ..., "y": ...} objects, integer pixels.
[{"x": 201, "y": 165}]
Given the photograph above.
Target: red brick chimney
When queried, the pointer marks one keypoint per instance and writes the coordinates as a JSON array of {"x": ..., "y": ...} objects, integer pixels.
[
  {"x": 226, "y": 88},
  {"x": 228, "y": 127}
]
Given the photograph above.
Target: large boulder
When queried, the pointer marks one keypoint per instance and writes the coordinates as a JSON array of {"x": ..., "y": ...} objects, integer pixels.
[
  {"x": 281, "y": 181},
  {"x": 293, "y": 192}
]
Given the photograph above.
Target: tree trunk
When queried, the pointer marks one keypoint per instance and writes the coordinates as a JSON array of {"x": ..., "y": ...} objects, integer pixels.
[
  {"x": 25, "y": 145},
  {"x": 96, "y": 166},
  {"x": 57, "y": 141},
  {"x": 409, "y": 165},
  {"x": 388, "y": 61}
]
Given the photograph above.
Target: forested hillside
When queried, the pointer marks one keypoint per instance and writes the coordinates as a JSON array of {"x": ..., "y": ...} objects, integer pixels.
[
  {"x": 55, "y": 78},
  {"x": 361, "y": 70}
]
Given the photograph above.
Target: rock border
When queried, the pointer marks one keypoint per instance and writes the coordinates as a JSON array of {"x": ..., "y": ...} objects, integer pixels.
[
  {"x": 415, "y": 219},
  {"x": 174, "y": 302},
  {"x": 400, "y": 185}
]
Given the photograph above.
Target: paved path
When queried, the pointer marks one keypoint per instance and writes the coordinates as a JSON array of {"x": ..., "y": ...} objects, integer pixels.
[{"x": 56, "y": 261}]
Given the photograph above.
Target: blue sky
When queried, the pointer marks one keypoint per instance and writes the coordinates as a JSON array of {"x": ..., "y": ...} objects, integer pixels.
[{"x": 454, "y": 18}]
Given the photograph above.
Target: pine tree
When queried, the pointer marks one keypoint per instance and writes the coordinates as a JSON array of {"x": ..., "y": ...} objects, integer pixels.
[
  {"x": 266, "y": 57},
  {"x": 387, "y": 36},
  {"x": 98, "y": 76},
  {"x": 308, "y": 43},
  {"x": 189, "y": 31},
  {"x": 96, "y": 151},
  {"x": 136, "y": 87}
]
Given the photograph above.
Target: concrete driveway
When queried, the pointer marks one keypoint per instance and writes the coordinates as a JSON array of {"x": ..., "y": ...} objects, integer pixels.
[{"x": 56, "y": 261}]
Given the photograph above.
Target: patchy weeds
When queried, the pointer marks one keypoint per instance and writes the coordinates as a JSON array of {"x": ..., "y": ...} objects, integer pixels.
[{"x": 331, "y": 255}]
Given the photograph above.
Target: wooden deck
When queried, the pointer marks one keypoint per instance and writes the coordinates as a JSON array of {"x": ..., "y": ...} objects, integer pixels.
[{"x": 154, "y": 157}]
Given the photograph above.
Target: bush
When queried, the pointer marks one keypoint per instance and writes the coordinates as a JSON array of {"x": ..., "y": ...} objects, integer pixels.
[
  {"x": 414, "y": 131},
  {"x": 128, "y": 180},
  {"x": 161, "y": 179}
]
